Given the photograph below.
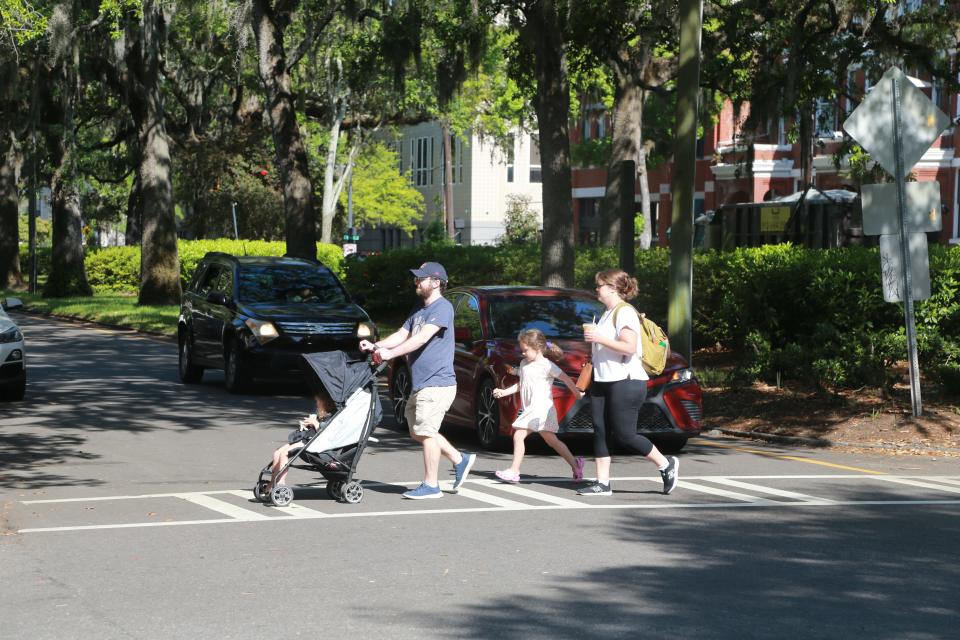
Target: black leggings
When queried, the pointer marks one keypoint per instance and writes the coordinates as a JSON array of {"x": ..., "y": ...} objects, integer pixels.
[{"x": 615, "y": 407}]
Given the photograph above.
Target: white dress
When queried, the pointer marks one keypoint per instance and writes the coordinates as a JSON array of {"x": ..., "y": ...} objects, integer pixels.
[{"x": 537, "y": 412}]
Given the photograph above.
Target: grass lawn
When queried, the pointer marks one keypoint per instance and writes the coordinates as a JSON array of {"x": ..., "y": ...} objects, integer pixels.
[{"x": 108, "y": 308}]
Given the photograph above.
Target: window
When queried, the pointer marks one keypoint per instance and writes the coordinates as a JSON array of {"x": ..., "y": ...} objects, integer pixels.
[
  {"x": 281, "y": 285},
  {"x": 556, "y": 317},
  {"x": 601, "y": 128},
  {"x": 456, "y": 159},
  {"x": 224, "y": 283},
  {"x": 535, "y": 173},
  {"x": 509, "y": 144},
  {"x": 398, "y": 148},
  {"x": 468, "y": 317},
  {"x": 209, "y": 279},
  {"x": 826, "y": 118},
  {"x": 422, "y": 161},
  {"x": 587, "y": 127}
]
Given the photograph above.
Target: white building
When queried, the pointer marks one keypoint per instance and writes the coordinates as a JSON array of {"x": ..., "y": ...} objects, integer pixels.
[{"x": 483, "y": 176}]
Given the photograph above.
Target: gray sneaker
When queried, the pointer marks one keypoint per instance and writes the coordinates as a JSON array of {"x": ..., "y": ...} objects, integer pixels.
[
  {"x": 595, "y": 489},
  {"x": 670, "y": 475}
]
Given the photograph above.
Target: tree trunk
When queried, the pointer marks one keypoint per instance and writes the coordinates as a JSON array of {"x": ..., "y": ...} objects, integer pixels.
[
  {"x": 68, "y": 276},
  {"x": 627, "y": 129},
  {"x": 299, "y": 217},
  {"x": 134, "y": 233},
  {"x": 11, "y": 159},
  {"x": 805, "y": 140},
  {"x": 643, "y": 179},
  {"x": 544, "y": 31},
  {"x": 448, "y": 179},
  {"x": 159, "y": 260}
]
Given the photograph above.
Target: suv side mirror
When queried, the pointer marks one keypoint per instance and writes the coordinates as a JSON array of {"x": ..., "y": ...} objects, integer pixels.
[
  {"x": 359, "y": 298},
  {"x": 12, "y": 303},
  {"x": 217, "y": 297},
  {"x": 462, "y": 334}
]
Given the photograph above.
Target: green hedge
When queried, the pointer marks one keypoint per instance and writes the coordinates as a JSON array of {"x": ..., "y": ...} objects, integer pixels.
[
  {"x": 117, "y": 269},
  {"x": 817, "y": 315}
]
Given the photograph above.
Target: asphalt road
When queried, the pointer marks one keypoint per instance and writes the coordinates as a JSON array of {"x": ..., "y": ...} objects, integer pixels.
[{"x": 125, "y": 512}]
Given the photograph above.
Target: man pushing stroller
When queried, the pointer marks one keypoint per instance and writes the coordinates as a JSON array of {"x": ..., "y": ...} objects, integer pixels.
[{"x": 427, "y": 337}]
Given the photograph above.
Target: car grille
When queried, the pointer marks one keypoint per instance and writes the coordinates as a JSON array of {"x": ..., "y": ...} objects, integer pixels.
[
  {"x": 650, "y": 420},
  {"x": 693, "y": 410},
  {"x": 317, "y": 328}
]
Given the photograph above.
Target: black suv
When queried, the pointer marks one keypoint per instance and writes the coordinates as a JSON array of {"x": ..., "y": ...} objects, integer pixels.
[{"x": 254, "y": 316}]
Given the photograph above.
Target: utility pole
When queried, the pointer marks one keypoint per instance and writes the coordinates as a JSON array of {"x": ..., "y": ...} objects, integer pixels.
[{"x": 680, "y": 316}]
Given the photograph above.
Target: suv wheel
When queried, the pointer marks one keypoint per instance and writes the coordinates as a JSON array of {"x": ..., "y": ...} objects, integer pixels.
[
  {"x": 189, "y": 372},
  {"x": 235, "y": 373}
]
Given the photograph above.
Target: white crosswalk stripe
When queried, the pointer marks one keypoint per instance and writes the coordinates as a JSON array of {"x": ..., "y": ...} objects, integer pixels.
[
  {"x": 491, "y": 499},
  {"x": 293, "y": 509},
  {"x": 702, "y": 488},
  {"x": 535, "y": 495},
  {"x": 227, "y": 509},
  {"x": 918, "y": 483},
  {"x": 771, "y": 491}
]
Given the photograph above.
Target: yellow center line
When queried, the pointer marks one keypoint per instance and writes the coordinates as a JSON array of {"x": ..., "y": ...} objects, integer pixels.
[{"x": 760, "y": 452}]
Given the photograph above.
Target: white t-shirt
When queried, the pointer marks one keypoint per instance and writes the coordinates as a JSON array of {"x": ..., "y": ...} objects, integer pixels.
[{"x": 610, "y": 365}]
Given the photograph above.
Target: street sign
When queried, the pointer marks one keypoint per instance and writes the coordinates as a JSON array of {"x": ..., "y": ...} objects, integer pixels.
[
  {"x": 349, "y": 248},
  {"x": 896, "y": 124},
  {"x": 774, "y": 219},
  {"x": 921, "y": 210},
  {"x": 891, "y": 267},
  {"x": 872, "y": 123}
]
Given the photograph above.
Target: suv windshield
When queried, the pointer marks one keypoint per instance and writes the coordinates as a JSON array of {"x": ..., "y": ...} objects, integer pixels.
[
  {"x": 556, "y": 317},
  {"x": 284, "y": 284}
]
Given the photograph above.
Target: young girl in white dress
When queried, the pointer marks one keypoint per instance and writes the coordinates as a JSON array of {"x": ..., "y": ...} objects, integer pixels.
[{"x": 537, "y": 413}]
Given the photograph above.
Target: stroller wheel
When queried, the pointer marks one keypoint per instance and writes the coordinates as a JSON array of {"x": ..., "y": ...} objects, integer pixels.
[
  {"x": 260, "y": 492},
  {"x": 353, "y": 492},
  {"x": 281, "y": 496},
  {"x": 335, "y": 489}
]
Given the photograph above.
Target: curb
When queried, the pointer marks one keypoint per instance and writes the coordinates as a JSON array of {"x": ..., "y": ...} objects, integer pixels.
[
  {"x": 821, "y": 442},
  {"x": 97, "y": 323}
]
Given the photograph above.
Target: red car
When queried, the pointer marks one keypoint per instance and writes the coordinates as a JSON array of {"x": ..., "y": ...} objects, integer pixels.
[{"x": 487, "y": 323}]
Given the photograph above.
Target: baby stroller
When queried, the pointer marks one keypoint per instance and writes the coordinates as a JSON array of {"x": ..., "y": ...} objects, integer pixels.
[{"x": 335, "y": 449}]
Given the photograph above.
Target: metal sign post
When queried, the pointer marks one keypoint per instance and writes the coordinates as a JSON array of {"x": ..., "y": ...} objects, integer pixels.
[
  {"x": 912, "y": 125},
  {"x": 908, "y": 316}
]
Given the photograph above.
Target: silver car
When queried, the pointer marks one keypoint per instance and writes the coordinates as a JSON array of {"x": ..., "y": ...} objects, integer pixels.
[{"x": 13, "y": 361}]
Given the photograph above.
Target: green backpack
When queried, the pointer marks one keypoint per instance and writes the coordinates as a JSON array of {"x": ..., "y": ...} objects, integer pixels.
[{"x": 653, "y": 339}]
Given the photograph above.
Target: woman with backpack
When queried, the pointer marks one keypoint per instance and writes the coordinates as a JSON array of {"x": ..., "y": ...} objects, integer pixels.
[{"x": 619, "y": 385}]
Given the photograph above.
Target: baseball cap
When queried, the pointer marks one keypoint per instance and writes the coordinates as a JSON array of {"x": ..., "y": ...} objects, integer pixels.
[{"x": 430, "y": 270}]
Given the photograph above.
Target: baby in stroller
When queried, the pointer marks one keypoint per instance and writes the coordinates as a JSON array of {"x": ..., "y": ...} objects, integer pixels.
[{"x": 309, "y": 425}]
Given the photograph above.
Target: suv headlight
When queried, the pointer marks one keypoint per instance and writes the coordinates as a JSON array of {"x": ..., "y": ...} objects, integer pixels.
[
  {"x": 366, "y": 330},
  {"x": 11, "y": 335},
  {"x": 262, "y": 330},
  {"x": 682, "y": 375}
]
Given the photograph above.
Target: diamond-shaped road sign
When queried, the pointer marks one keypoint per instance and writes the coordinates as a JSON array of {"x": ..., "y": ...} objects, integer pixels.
[
  {"x": 921, "y": 209},
  {"x": 872, "y": 123}
]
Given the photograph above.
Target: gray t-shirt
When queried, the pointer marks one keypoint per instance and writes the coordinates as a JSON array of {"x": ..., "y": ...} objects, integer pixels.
[{"x": 432, "y": 364}]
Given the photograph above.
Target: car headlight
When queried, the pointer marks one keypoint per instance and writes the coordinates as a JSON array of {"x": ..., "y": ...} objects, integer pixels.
[
  {"x": 683, "y": 375},
  {"x": 263, "y": 331},
  {"x": 366, "y": 330},
  {"x": 11, "y": 335}
]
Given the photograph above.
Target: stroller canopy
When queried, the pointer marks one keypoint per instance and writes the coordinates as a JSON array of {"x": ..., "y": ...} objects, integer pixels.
[{"x": 332, "y": 372}]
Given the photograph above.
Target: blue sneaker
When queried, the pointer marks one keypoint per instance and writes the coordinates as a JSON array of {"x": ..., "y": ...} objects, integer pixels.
[
  {"x": 461, "y": 470},
  {"x": 423, "y": 492}
]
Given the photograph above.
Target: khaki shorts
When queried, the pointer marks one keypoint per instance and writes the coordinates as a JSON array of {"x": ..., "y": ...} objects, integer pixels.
[{"x": 426, "y": 408}]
